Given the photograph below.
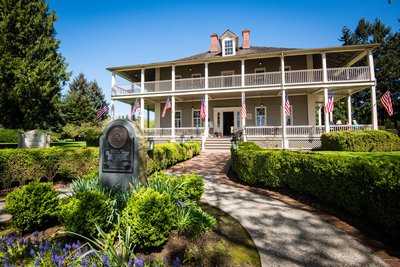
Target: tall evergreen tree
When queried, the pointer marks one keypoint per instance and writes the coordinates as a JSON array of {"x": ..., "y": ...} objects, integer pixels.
[
  {"x": 387, "y": 68},
  {"x": 82, "y": 101},
  {"x": 32, "y": 71}
]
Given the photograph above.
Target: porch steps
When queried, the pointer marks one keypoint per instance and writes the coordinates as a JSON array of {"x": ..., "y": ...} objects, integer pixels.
[{"x": 218, "y": 143}]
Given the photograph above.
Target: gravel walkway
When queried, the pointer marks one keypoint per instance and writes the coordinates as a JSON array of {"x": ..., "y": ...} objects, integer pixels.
[{"x": 285, "y": 234}]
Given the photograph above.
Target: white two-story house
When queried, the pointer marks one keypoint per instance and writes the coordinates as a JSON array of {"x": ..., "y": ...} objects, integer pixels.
[{"x": 233, "y": 74}]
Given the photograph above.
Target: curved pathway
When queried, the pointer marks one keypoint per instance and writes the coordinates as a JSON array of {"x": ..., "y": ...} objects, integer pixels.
[{"x": 286, "y": 232}]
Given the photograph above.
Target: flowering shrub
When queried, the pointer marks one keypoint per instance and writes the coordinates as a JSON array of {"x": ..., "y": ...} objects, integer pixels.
[{"x": 19, "y": 251}]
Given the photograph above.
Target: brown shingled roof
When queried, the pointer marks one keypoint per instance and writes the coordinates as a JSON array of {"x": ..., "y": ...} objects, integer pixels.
[{"x": 251, "y": 50}]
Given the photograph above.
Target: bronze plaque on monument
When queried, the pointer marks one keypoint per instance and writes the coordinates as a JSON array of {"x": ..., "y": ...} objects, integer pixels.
[{"x": 118, "y": 151}]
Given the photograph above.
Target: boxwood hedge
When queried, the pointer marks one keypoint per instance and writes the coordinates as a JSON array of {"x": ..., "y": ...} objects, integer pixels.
[
  {"x": 168, "y": 154},
  {"x": 19, "y": 166},
  {"x": 365, "y": 186},
  {"x": 360, "y": 141}
]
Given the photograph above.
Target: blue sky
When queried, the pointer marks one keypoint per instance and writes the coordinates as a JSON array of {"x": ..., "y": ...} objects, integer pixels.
[{"x": 95, "y": 34}]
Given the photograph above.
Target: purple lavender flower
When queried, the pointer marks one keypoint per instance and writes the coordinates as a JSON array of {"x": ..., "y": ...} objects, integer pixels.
[
  {"x": 177, "y": 262},
  {"x": 32, "y": 252},
  {"x": 130, "y": 263},
  {"x": 138, "y": 262},
  {"x": 106, "y": 261}
]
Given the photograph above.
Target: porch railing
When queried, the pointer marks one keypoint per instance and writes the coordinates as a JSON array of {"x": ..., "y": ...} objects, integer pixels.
[
  {"x": 307, "y": 76},
  {"x": 224, "y": 81},
  {"x": 266, "y": 78},
  {"x": 348, "y": 74},
  {"x": 187, "y": 84},
  {"x": 189, "y": 131},
  {"x": 179, "y": 131},
  {"x": 300, "y": 130},
  {"x": 337, "y": 128}
]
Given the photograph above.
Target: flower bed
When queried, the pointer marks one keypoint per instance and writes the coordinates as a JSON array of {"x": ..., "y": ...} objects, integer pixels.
[{"x": 366, "y": 185}]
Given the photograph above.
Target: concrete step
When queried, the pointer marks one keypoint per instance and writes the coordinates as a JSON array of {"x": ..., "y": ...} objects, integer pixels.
[
  {"x": 2, "y": 206},
  {"x": 5, "y": 218}
]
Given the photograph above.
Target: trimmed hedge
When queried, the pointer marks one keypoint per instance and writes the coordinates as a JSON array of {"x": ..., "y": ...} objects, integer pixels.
[
  {"x": 364, "y": 186},
  {"x": 19, "y": 166},
  {"x": 166, "y": 155},
  {"x": 8, "y": 135},
  {"x": 360, "y": 141}
]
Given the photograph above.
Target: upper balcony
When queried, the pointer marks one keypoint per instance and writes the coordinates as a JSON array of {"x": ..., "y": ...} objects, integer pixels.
[{"x": 263, "y": 79}]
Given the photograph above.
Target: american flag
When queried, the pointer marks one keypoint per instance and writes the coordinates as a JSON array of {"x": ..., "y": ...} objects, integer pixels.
[
  {"x": 386, "y": 100},
  {"x": 167, "y": 106},
  {"x": 288, "y": 107},
  {"x": 243, "y": 111},
  {"x": 136, "y": 106},
  {"x": 329, "y": 105},
  {"x": 103, "y": 110},
  {"x": 203, "y": 110}
]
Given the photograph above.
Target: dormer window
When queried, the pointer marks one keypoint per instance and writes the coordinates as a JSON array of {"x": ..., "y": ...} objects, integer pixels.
[{"x": 228, "y": 47}]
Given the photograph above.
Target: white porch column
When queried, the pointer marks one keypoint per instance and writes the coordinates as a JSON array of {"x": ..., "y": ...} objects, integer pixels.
[
  {"x": 373, "y": 91},
  {"x": 157, "y": 114},
  {"x": 173, "y": 118},
  {"x": 173, "y": 78},
  {"x": 324, "y": 68},
  {"x": 349, "y": 115},
  {"x": 206, "y": 75},
  {"x": 243, "y": 119},
  {"x": 283, "y": 100},
  {"x": 331, "y": 116},
  {"x": 371, "y": 65},
  {"x": 242, "y": 72},
  {"x": 283, "y": 120},
  {"x": 374, "y": 108},
  {"x": 142, "y": 77},
  {"x": 113, "y": 83},
  {"x": 326, "y": 113},
  {"x": 319, "y": 115},
  {"x": 206, "y": 117},
  {"x": 142, "y": 113}
]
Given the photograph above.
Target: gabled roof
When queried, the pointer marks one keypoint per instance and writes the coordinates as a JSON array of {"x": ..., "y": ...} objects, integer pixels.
[
  {"x": 252, "y": 52},
  {"x": 228, "y": 33}
]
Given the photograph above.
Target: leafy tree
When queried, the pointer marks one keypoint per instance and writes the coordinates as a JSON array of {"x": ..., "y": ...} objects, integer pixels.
[
  {"x": 387, "y": 68},
  {"x": 32, "y": 71},
  {"x": 82, "y": 101}
]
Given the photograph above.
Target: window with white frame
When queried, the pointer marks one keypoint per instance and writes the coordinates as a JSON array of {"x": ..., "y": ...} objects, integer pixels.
[
  {"x": 196, "y": 122},
  {"x": 229, "y": 48},
  {"x": 261, "y": 116},
  {"x": 178, "y": 119}
]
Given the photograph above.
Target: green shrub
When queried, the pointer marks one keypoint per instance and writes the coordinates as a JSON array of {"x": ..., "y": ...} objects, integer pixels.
[
  {"x": 365, "y": 186},
  {"x": 168, "y": 154},
  {"x": 84, "y": 210},
  {"x": 33, "y": 206},
  {"x": 8, "y": 135},
  {"x": 19, "y": 166},
  {"x": 149, "y": 214},
  {"x": 84, "y": 132},
  {"x": 180, "y": 187},
  {"x": 360, "y": 141},
  {"x": 191, "y": 220}
]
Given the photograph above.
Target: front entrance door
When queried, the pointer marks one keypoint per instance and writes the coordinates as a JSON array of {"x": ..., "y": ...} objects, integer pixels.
[{"x": 229, "y": 121}]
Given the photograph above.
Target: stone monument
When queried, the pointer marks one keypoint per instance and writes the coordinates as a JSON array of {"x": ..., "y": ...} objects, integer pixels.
[
  {"x": 122, "y": 155},
  {"x": 34, "y": 138}
]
